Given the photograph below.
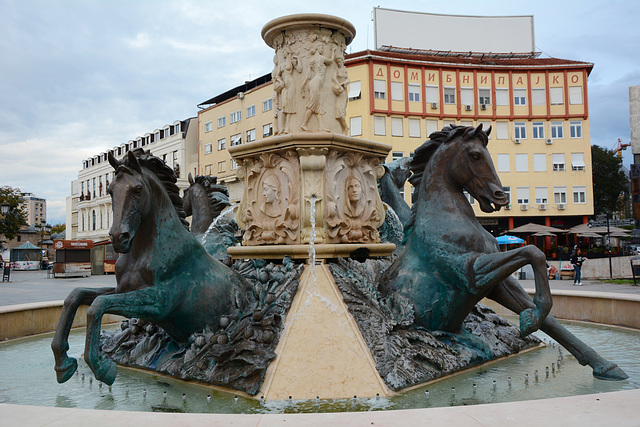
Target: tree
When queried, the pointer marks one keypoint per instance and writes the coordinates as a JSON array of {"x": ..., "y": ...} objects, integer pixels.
[
  {"x": 609, "y": 180},
  {"x": 17, "y": 216},
  {"x": 58, "y": 228}
]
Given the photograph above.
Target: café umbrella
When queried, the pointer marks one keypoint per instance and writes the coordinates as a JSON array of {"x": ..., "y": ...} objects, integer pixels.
[{"x": 509, "y": 240}]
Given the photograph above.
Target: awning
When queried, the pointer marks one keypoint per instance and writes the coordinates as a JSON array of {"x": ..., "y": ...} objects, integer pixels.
[{"x": 354, "y": 90}]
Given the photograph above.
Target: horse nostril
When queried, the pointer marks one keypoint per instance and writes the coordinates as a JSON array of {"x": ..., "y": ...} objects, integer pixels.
[{"x": 499, "y": 194}]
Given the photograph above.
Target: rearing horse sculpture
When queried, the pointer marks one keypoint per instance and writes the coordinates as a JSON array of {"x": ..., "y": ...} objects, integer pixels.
[
  {"x": 205, "y": 199},
  {"x": 451, "y": 262},
  {"x": 164, "y": 275}
]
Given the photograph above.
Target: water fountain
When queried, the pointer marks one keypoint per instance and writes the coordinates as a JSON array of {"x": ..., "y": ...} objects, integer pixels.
[{"x": 319, "y": 331}]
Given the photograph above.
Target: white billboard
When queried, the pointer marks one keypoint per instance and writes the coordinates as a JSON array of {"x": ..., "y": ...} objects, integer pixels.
[{"x": 455, "y": 33}]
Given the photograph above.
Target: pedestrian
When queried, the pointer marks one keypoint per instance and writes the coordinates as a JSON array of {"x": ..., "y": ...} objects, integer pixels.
[{"x": 577, "y": 259}]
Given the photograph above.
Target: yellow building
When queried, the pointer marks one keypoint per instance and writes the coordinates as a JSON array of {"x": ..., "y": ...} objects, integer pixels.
[{"x": 537, "y": 108}]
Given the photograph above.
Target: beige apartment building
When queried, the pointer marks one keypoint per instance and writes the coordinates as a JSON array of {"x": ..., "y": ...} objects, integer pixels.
[
  {"x": 36, "y": 208},
  {"x": 537, "y": 108}
]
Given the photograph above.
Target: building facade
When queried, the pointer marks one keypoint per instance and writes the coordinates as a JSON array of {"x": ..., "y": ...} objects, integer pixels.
[
  {"x": 89, "y": 212},
  {"x": 36, "y": 210},
  {"x": 537, "y": 109}
]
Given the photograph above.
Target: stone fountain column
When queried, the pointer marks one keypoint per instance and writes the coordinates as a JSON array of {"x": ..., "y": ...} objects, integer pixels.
[
  {"x": 311, "y": 163},
  {"x": 310, "y": 160}
]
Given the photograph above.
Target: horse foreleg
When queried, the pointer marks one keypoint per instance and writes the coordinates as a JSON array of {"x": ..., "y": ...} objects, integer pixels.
[
  {"x": 146, "y": 303},
  {"x": 390, "y": 194},
  {"x": 66, "y": 366},
  {"x": 496, "y": 267},
  {"x": 511, "y": 295}
]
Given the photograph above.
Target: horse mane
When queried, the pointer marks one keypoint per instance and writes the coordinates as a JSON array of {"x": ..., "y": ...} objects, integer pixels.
[
  {"x": 424, "y": 153},
  {"x": 165, "y": 174},
  {"x": 217, "y": 195}
]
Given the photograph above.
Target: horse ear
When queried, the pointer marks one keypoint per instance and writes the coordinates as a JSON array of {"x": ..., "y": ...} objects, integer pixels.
[
  {"x": 133, "y": 162},
  {"x": 113, "y": 161},
  {"x": 488, "y": 131},
  {"x": 190, "y": 179}
]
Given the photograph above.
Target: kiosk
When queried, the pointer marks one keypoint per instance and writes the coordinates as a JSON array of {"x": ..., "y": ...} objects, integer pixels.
[{"x": 73, "y": 258}]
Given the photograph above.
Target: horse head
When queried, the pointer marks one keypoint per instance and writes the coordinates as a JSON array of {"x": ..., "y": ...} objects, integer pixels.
[
  {"x": 131, "y": 201},
  {"x": 470, "y": 166},
  {"x": 186, "y": 198}
]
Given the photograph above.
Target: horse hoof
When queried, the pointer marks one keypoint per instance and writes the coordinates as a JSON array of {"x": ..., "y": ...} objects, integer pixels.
[
  {"x": 66, "y": 370},
  {"x": 106, "y": 372},
  {"x": 610, "y": 372}
]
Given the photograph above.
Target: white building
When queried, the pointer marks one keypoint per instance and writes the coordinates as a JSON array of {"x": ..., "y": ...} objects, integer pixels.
[
  {"x": 89, "y": 213},
  {"x": 36, "y": 209}
]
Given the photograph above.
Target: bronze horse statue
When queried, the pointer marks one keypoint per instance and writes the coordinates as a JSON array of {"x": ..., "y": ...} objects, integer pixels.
[
  {"x": 204, "y": 200},
  {"x": 164, "y": 275},
  {"x": 451, "y": 262}
]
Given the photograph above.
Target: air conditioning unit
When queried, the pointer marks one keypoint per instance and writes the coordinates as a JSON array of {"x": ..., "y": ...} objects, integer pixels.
[
  {"x": 561, "y": 206},
  {"x": 508, "y": 207},
  {"x": 549, "y": 141},
  {"x": 240, "y": 95},
  {"x": 524, "y": 207},
  {"x": 467, "y": 107},
  {"x": 542, "y": 206},
  {"x": 434, "y": 105},
  {"x": 483, "y": 107},
  {"x": 517, "y": 141}
]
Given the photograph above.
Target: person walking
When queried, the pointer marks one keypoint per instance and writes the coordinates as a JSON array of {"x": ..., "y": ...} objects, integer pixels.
[{"x": 577, "y": 259}]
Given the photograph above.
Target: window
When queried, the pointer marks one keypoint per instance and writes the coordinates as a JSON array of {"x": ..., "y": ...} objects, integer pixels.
[
  {"x": 484, "y": 96},
  {"x": 355, "y": 91},
  {"x": 538, "y": 130},
  {"x": 557, "y": 95},
  {"x": 222, "y": 144},
  {"x": 542, "y": 195},
  {"x": 396, "y": 91},
  {"x": 396, "y": 126},
  {"x": 449, "y": 95},
  {"x": 208, "y": 148},
  {"x": 355, "y": 125},
  {"x": 503, "y": 163},
  {"x": 538, "y": 96},
  {"x": 267, "y": 105},
  {"x": 520, "y": 130},
  {"x": 507, "y": 192},
  {"x": 575, "y": 129},
  {"x": 502, "y": 130},
  {"x": 575, "y": 95},
  {"x": 557, "y": 130},
  {"x": 577, "y": 161},
  {"x": 432, "y": 94},
  {"x": 432, "y": 126},
  {"x": 579, "y": 194},
  {"x": 94, "y": 220},
  {"x": 539, "y": 162},
  {"x": 235, "y": 116},
  {"x": 251, "y": 111},
  {"x": 558, "y": 162},
  {"x": 207, "y": 170},
  {"x": 502, "y": 96},
  {"x": 466, "y": 96},
  {"x": 233, "y": 164},
  {"x": 251, "y": 135},
  {"x": 522, "y": 162},
  {"x": 379, "y": 125},
  {"x": 235, "y": 139},
  {"x": 520, "y": 97},
  {"x": 208, "y": 127},
  {"x": 522, "y": 193},
  {"x": 414, "y": 93},
  {"x": 414, "y": 128},
  {"x": 396, "y": 155},
  {"x": 560, "y": 194},
  {"x": 469, "y": 197},
  {"x": 380, "y": 89},
  {"x": 222, "y": 166},
  {"x": 267, "y": 130}
]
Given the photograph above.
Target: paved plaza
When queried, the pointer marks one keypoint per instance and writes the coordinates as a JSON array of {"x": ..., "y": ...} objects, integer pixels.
[{"x": 34, "y": 286}]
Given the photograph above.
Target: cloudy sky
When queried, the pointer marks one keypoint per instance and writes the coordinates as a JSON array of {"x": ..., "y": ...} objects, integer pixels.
[{"x": 79, "y": 77}]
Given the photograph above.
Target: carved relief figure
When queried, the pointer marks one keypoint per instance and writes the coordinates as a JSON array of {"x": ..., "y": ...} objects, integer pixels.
[
  {"x": 271, "y": 195},
  {"x": 315, "y": 81},
  {"x": 339, "y": 85},
  {"x": 288, "y": 90}
]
